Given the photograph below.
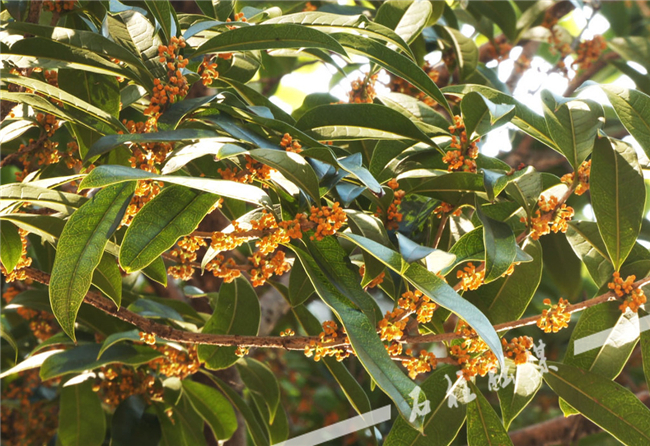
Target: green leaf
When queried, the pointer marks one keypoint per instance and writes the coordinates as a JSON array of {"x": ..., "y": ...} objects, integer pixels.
[
  {"x": 500, "y": 246},
  {"x": 436, "y": 289},
  {"x": 447, "y": 416},
  {"x": 645, "y": 345},
  {"x": 562, "y": 266},
  {"x": 353, "y": 165},
  {"x": 12, "y": 246},
  {"x": 207, "y": 146},
  {"x": 293, "y": 166},
  {"x": 606, "y": 403},
  {"x": 45, "y": 226},
  {"x": 253, "y": 97},
  {"x": 300, "y": 288},
  {"x": 172, "y": 214},
  {"x": 394, "y": 62},
  {"x": 80, "y": 249},
  {"x": 464, "y": 47},
  {"x": 156, "y": 271},
  {"x": 483, "y": 424},
  {"x": 257, "y": 432},
  {"x": 503, "y": 14},
  {"x": 408, "y": 19},
  {"x": 325, "y": 21},
  {"x": 213, "y": 407},
  {"x": 81, "y": 417},
  {"x": 115, "y": 338},
  {"x": 413, "y": 108},
  {"x": 84, "y": 357},
  {"x": 573, "y": 124},
  {"x": 111, "y": 174},
  {"x": 108, "y": 278},
  {"x": 618, "y": 195},
  {"x": 260, "y": 381},
  {"x": 365, "y": 342},
  {"x": 449, "y": 187},
  {"x": 154, "y": 310},
  {"x": 359, "y": 121},
  {"x": 481, "y": 115},
  {"x": 264, "y": 37},
  {"x": 349, "y": 384},
  {"x": 162, "y": 11},
  {"x": 632, "y": 107},
  {"x": 236, "y": 311},
  {"x": 370, "y": 227},
  {"x": 14, "y": 193},
  {"x": 514, "y": 397},
  {"x": 109, "y": 142},
  {"x": 506, "y": 298},
  {"x": 98, "y": 90},
  {"x": 133, "y": 423},
  {"x": 170, "y": 119},
  {"x": 83, "y": 112},
  {"x": 587, "y": 243}
]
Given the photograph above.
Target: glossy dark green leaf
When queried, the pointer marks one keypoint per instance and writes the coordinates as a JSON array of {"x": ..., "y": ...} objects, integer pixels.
[
  {"x": 632, "y": 107},
  {"x": 300, "y": 287},
  {"x": 133, "y": 423},
  {"x": 349, "y": 384},
  {"x": 170, "y": 119},
  {"x": 394, "y": 62},
  {"x": 213, "y": 407},
  {"x": 645, "y": 344},
  {"x": 110, "y": 174},
  {"x": 606, "y": 403},
  {"x": 617, "y": 196},
  {"x": 335, "y": 22},
  {"x": 408, "y": 19},
  {"x": 45, "y": 226},
  {"x": 563, "y": 267},
  {"x": 360, "y": 330},
  {"x": 514, "y": 397},
  {"x": 412, "y": 251},
  {"x": 156, "y": 271},
  {"x": 261, "y": 381},
  {"x": 14, "y": 193},
  {"x": 115, "y": 338},
  {"x": 236, "y": 311},
  {"x": 436, "y": 289},
  {"x": 258, "y": 433},
  {"x": 108, "y": 278},
  {"x": 154, "y": 310},
  {"x": 353, "y": 165},
  {"x": 573, "y": 124},
  {"x": 500, "y": 246},
  {"x": 506, "y": 298},
  {"x": 503, "y": 14},
  {"x": 186, "y": 154},
  {"x": 359, "y": 121},
  {"x": 484, "y": 426},
  {"x": 448, "y": 187},
  {"x": 448, "y": 410},
  {"x": 587, "y": 243},
  {"x": 84, "y": 357},
  {"x": 465, "y": 49},
  {"x": 172, "y": 214},
  {"x": 162, "y": 11},
  {"x": 12, "y": 246},
  {"x": 480, "y": 115},
  {"x": 370, "y": 227},
  {"x": 294, "y": 168},
  {"x": 80, "y": 249},
  {"x": 82, "y": 421},
  {"x": 264, "y": 37}
]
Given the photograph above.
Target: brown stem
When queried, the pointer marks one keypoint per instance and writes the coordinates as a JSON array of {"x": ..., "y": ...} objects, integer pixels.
[{"x": 287, "y": 343}]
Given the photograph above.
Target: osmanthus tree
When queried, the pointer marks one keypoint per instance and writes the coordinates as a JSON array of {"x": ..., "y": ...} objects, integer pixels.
[{"x": 165, "y": 245}]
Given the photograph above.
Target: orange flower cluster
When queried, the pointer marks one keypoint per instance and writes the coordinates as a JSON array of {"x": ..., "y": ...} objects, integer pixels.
[
  {"x": 331, "y": 334},
  {"x": 118, "y": 382},
  {"x": 328, "y": 220},
  {"x": 288, "y": 332},
  {"x": 27, "y": 417},
  {"x": 363, "y": 90},
  {"x": 589, "y": 52},
  {"x": 551, "y": 218},
  {"x": 472, "y": 354},
  {"x": 399, "y": 85},
  {"x": 374, "y": 282},
  {"x": 280, "y": 233},
  {"x": 499, "y": 51},
  {"x": 309, "y": 7},
  {"x": 518, "y": 349},
  {"x": 225, "y": 269},
  {"x": 176, "y": 363},
  {"x": 18, "y": 272},
  {"x": 176, "y": 86},
  {"x": 58, "y": 5},
  {"x": 470, "y": 278},
  {"x": 242, "y": 351},
  {"x": 584, "y": 171},
  {"x": 634, "y": 297},
  {"x": 394, "y": 217},
  {"x": 422, "y": 364},
  {"x": 264, "y": 267},
  {"x": 145, "y": 191},
  {"x": 416, "y": 302},
  {"x": 462, "y": 158},
  {"x": 48, "y": 123},
  {"x": 446, "y": 208},
  {"x": 148, "y": 338},
  {"x": 239, "y": 17},
  {"x": 186, "y": 253},
  {"x": 555, "y": 317},
  {"x": 227, "y": 242},
  {"x": 290, "y": 145},
  {"x": 253, "y": 171},
  {"x": 392, "y": 326},
  {"x": 208, "y": 71}
]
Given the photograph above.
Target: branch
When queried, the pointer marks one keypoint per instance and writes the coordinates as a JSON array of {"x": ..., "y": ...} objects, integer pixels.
[{"x": 287, "y": 343}]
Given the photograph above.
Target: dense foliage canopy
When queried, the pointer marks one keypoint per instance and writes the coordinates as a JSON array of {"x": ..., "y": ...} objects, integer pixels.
[{"x": 194, "y": 249}]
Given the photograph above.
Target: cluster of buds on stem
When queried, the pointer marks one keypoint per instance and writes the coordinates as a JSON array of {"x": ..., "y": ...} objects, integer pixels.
[
  {"x": 186, "y": 252},
  {"x": 328, "y": 220},
  {"x": 208, "y": 71},
  {"x": 589, "y": 52},
  {"x": 549, "y": 217},
  {"x": 18, "y": 273},
  {"x": 633, "y": 297},
  {"x": 470, "y": 278},
  {"x": 176, "y": 86},
  {"x": 331, "y": 334},
  {"x": 289, "y": 144},
  {"x": 399, "y": 85},
  {"x": 363, "y": 90},
  {"x": 463, "y": 152},
  {"x": 584, "y": 171},
  {"x": 394, "y": 216},
  {"x": 555, "y": 318}
]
